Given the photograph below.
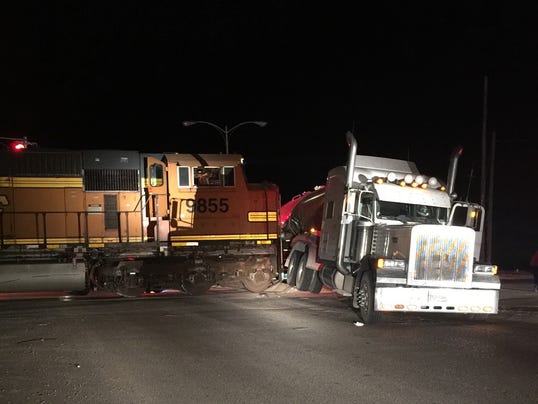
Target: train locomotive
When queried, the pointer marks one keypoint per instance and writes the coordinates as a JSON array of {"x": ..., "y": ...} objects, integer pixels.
[{"x": 130, "y": 222}]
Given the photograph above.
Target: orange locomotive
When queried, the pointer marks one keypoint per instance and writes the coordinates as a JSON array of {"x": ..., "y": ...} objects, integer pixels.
[{"x": 127, "y": 222}]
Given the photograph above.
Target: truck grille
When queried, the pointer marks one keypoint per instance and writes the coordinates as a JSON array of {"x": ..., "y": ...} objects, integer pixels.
[{"x": 441, "y": 255}]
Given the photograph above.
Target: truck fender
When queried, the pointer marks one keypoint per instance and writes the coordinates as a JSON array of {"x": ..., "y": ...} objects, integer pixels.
[
  {"x": 310, "y": 247},
  {"x": 312, "y": 262},
  {"x": 367, "y": 263}
]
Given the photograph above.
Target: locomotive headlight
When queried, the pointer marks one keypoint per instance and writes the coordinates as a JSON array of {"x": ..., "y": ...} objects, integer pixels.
[
  {"x": 485, "y": 269},
  {"x": 390, "y": 263}
]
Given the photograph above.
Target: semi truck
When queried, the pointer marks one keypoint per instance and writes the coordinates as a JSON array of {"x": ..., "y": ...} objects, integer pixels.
[{"x": 391, "y": 238}]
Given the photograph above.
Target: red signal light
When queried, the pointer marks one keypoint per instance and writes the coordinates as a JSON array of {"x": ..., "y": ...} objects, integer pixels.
[{"x": 18, "y": 145}]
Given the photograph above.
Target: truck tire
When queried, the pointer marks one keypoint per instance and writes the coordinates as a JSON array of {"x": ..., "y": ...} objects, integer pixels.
[
  {"x": 365, "y": 295},
  {"x": 292, "y": 268},
  {"x": 315, "y": 284},
  {"x": 304, "y": 275}
]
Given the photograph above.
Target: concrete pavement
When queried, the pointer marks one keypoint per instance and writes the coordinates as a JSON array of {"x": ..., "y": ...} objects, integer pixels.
[{"x": 517, "y": 293}]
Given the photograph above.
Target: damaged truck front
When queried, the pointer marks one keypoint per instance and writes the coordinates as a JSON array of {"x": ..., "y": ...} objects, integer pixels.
[{"x": 392, "y": 238}]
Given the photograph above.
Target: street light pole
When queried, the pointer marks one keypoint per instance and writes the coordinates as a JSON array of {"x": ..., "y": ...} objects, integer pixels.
[{"x": 225, "y": 132}]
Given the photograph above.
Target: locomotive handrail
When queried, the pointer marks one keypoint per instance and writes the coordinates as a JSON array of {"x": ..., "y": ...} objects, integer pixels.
[{"x": 40, "y": 231}]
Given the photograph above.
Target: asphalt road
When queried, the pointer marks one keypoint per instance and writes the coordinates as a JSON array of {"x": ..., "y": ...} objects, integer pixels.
[{"x": 239, "y": 347}]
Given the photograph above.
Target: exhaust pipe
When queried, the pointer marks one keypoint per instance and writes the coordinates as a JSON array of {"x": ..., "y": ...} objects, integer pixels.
[
  {"x": 352, "y": 142},
  {"x": 451, "y": 179}
]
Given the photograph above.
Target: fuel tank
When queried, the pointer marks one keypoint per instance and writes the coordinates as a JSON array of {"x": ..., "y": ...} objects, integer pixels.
[
  {"x": 53, "y": 276},
  {"x": 306, "y": 212}
]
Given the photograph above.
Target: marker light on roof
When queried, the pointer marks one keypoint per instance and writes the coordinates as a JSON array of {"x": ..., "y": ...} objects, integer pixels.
[
  {"x": 391, "y": 177},
  {"x": 432, "y": 182},
  {"x": 408, "y": 179},
  {"x": 420, "y": 179}
]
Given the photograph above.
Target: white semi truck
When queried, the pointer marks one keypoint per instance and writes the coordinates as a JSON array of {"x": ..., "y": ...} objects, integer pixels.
[{"x": 392, "y": 238}]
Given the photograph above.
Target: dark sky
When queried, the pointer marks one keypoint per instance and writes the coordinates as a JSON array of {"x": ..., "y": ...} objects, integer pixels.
[{"x": 407, "y": 79}]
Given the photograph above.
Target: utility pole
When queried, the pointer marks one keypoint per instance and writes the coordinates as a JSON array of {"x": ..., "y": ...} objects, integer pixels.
[
  {"x": 489, "y": 214},
  {"x": 483, "y": 171}
]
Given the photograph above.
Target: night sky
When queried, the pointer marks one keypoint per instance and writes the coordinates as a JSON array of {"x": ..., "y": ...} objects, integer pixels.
[{"x": 407, "y": 79}]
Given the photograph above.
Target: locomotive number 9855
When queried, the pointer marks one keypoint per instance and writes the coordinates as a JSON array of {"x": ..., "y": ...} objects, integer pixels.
[{"x": 202, "y": 205}]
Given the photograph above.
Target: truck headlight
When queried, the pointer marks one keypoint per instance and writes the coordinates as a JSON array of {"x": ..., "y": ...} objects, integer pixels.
[
  {"x": 485, "y": 269},
  {"x": 390, "y": 263}
]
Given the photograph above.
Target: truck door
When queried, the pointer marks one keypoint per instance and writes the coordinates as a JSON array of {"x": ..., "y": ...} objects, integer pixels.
[
  {"x": 362, "y": 226},
  {"x": 469, "y": 215},
  {"x": 357, "y": 226}
]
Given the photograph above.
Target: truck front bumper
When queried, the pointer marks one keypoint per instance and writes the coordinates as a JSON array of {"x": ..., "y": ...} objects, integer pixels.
[{"x": 445, "y": 300}]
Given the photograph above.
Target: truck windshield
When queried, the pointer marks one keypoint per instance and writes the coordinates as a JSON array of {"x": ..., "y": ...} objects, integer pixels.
[{"x": 408, "y": 212}]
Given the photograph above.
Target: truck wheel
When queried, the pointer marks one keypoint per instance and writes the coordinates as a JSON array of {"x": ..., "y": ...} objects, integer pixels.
[
  {"x": 365, "y": 295},
  {"x": 292, "y": 268},
  {"x": 315, "y": 284},
  {"x": 304, "y": 275}
]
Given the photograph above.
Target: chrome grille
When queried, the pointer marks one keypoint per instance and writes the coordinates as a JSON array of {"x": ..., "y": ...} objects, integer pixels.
[{"x": 441, "y": 254}]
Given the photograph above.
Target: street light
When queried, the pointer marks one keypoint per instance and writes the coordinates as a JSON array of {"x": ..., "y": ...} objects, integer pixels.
[{"x": 225, "y": 132}]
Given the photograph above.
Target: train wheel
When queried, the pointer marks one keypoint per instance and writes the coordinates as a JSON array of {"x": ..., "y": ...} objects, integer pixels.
[
  {"x": 257, "y": 273},
  {"x": 196, "y": 283},
  {"x": 257, "y": 282},
  {"x": 130, "y": 284},
  {"x": 304, "y": 275}
]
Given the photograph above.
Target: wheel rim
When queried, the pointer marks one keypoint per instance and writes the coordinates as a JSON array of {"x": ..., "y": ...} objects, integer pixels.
[{"x": 364, "y": 296}]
